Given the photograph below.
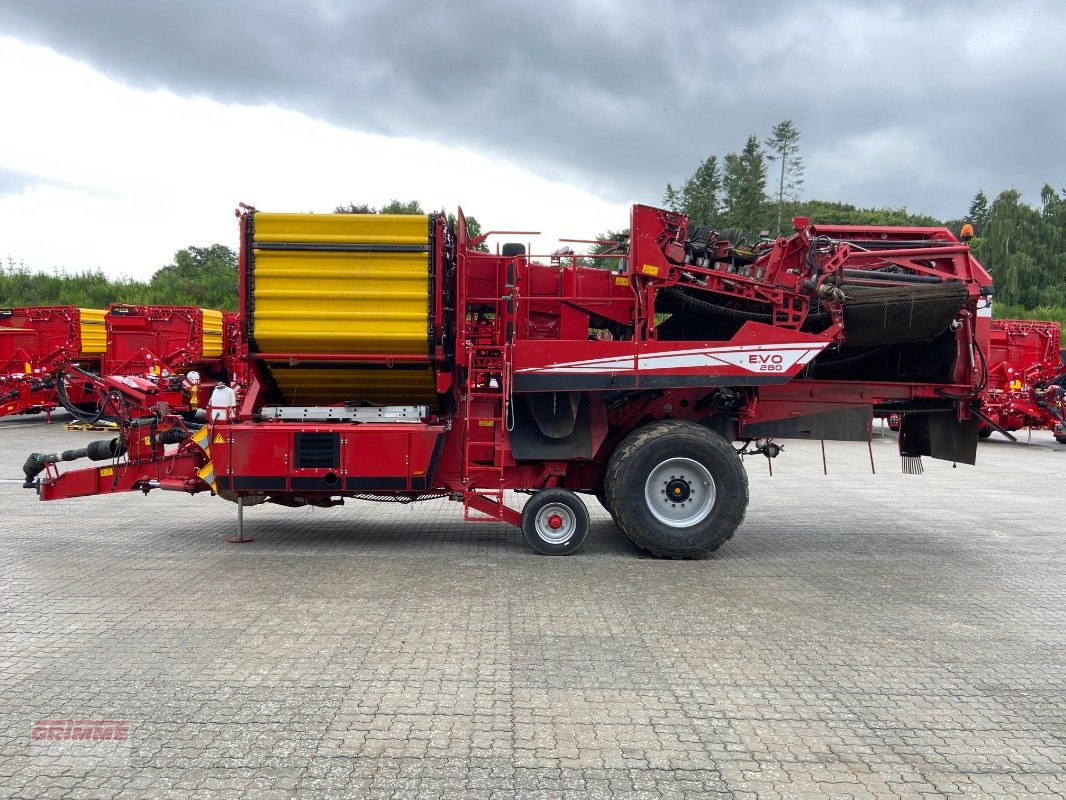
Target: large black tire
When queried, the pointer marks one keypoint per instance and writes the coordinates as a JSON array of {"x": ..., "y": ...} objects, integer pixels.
[
  {"x": 689, "y": 461},
  {"x": 555, "y": 522},
  {"x": 984, "y": 433}
]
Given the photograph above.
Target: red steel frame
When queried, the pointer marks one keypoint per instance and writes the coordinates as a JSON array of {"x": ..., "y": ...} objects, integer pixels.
[
  {"x": 36, "y": 345},
  {"x": 508, "y": 327}
]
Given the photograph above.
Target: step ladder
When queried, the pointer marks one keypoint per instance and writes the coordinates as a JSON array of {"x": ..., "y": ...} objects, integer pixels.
[{"x": 484, "y": 437}]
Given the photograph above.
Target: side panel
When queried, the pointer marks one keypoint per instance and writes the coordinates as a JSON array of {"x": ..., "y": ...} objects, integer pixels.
[
  {"x": 326, "y": 459},
  {"x": 758, "y": 355}
]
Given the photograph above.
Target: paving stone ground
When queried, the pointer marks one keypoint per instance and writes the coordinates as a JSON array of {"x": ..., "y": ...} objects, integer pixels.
[{"x": 862, "y": 636}]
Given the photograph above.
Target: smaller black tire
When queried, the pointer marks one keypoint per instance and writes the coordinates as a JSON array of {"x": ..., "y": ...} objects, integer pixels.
[
  {"x": 1060, "y": 438},
  {"x": 984, "y": 433},
  {"x": 555, "y": 522}
]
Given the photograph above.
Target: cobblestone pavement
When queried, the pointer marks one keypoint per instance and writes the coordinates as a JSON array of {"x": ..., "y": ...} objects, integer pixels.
[{"x": 862, "y": 636}]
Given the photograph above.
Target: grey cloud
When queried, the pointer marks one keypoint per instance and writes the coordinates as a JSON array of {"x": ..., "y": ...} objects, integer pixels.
[
  {"x": 900, "y": 103},
  {"x": 14, "y": 182}
]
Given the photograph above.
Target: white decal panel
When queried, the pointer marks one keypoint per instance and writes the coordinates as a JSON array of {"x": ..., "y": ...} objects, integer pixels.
[{"x": 757, "y": 359}]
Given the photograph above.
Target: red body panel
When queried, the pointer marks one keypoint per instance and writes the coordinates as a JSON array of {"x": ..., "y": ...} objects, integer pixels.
[{"x": 36, "y": 344}]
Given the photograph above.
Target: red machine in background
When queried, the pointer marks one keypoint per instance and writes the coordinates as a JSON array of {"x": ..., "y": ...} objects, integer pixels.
[
  {"x": 1026, "y": 385},
  {"x": 1026, "y": 379},
  {"x": 169, "y": 354},
  {"x": 385, "y": 356},
  {"x": 37, "y": 345}
]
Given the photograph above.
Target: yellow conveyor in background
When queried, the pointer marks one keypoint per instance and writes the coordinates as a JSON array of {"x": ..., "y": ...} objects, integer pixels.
[{"x": 93, "y": 333}]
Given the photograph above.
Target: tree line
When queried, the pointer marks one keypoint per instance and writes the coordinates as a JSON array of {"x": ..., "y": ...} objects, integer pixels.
[
  {"x": 755, "y": 190},
  {"x": 198, "y": 276}
]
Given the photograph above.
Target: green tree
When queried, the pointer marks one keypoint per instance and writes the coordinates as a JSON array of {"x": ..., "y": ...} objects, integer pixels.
[
  {"x": 978, "y": 213},
  {"x": 395, "y": 206},
  {"x": 783, "y": 146},
  {"x": 671, "y": 198},
  {"x": 1010, "y": 246},
  {"x": 744, "y": 188},
  {"x": 699, "y": 194},
  {"x": 352, "y": 208},
  {"x": 198, "y": 276}
]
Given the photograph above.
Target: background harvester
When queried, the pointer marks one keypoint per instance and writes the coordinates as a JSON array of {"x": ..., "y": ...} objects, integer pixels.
[
  {"x": 1026, "y": 384},
  {"x": 1027, "y": 379},
  {"x": 37, "y": 346},
  {"x": 384, "y": 356},
  {"x": 155, "y": 354}
]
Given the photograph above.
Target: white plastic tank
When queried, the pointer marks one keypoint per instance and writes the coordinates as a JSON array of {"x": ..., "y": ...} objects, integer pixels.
[{"x": 223, "y": 403}]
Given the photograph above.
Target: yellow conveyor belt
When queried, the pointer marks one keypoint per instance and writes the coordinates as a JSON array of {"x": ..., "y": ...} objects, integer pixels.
[{"x": 334, "y": 284}]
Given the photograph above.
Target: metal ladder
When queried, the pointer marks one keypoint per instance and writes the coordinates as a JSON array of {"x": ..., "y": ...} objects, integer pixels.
[{"x": 485, "y": 407}]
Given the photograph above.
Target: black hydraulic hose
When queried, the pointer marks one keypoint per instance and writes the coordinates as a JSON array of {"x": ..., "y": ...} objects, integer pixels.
[
  {"x": 675, "y": 294},
  {"x": 83, "y": 416},
  {"x": 984, "y": 372},
  {"x": 889, "y": 277},
  {"x": 897, "y": 244}
]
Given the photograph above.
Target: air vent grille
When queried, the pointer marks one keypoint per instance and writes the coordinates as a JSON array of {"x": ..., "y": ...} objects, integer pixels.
[{"x": 317, "y": 450}]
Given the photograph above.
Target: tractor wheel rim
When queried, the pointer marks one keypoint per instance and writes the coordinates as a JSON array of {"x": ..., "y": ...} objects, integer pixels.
[
  {"x": 680, "y": 492},
  {"x": 565, "y": 523}
]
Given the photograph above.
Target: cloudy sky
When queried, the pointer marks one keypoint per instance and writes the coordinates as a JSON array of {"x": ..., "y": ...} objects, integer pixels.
[{"x": 131, "y": 129}]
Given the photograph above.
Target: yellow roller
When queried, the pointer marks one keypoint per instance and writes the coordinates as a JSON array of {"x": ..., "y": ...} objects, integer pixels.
[
  {"x": 93, "y": 333},
  {"x": 212, "y": 333},
  {"x": 337, "y": 301},
  {"x": 316, "y": 385}
]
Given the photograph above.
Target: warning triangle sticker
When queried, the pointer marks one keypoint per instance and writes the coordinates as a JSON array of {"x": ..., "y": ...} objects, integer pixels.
[{"x": 218, "y": 439}]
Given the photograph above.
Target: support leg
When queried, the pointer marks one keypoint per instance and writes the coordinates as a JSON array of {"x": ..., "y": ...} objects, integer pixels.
[{"x": 240, "y": 538}]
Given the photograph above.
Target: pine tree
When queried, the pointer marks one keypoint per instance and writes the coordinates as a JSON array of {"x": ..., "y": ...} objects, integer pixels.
[
  {"x": 671, "y": 198},
  {"x": 699, "y": 195},
  {"x": 783, "y": 144},
  {"x": 744, "y": 187},
  {"x": 978, "y": 213}
]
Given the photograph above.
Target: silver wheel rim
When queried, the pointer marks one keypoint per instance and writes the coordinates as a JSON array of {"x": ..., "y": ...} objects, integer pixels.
[
  {"x": 680, "y": 492},
  {"x": 567, "y": 523}
]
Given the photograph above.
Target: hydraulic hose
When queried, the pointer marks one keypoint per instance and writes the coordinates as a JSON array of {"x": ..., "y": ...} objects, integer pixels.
[
  {"x": 684, "y": 299},
  {"x": 90, "y": 418}
]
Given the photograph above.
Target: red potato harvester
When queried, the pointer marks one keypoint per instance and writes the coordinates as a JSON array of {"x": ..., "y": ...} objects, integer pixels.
[
  {"x": 385, "y": 357},
  {"x": 37, "y": 345},
  {"x": 169, "y": 354}
]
